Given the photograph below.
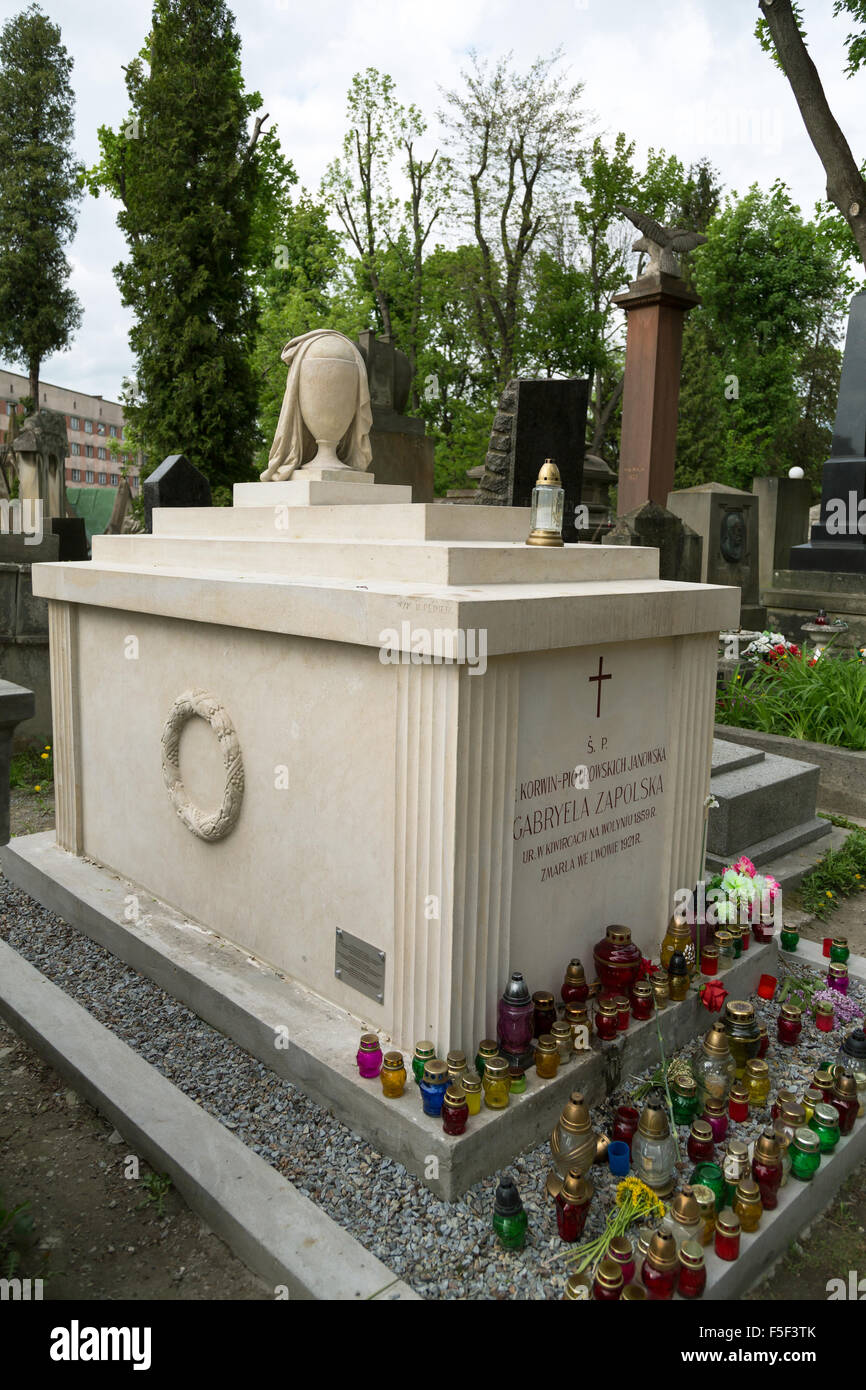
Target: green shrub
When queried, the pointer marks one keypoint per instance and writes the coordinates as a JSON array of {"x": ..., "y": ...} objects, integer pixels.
[{"x": 824, "y": 703}]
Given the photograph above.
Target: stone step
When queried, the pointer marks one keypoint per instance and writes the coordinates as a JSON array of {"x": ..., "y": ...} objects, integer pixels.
[
  {"x": 760, "y": 802},
  {"x": 729, "y": 757},
  {"x": 775, "y": 851}
]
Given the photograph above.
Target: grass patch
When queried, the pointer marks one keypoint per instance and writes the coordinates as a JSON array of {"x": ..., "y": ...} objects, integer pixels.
[
  {"x": 838, "y": 874},
  {"x": 33, "y": 769},
  {"x": 824, "y": 703}
]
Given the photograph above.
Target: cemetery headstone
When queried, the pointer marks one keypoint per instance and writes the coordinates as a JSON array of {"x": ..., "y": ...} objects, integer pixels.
[
  {"x": 783, "y": 522},
  {"x": 726, "y": 519},
  {"x": 536, "y": 420},
  {"x": 176, "y": 483},
  {"x": 402, "y": 452}
]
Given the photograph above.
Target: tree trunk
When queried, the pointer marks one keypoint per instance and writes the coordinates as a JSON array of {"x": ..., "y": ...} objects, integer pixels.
[
  {"x": 845, "y": 185},
  {"x": 34, "y": 365}
]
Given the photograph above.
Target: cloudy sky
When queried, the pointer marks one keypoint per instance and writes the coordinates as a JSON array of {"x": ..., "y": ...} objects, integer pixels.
[{"x": 685, "y": 75}]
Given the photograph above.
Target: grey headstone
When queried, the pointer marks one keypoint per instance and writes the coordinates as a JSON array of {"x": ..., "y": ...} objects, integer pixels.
[
  {"x": 176, "y": 483},
  {"x": 537, "y": 419},
  {"x": 680, "y": 548},
  {"x": 16, "y": 705}
]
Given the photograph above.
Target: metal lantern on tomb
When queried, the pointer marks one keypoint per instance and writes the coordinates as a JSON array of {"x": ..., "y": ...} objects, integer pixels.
[
  {"x": 617, "y": 960},
  {"x": 653, "y": 1149},
  {"x": 678, "y": 937},
  {"x": 572, "y": 1143},
  {"x": 515, "y": 1020},
  {"x": 714, "y": 1067}
]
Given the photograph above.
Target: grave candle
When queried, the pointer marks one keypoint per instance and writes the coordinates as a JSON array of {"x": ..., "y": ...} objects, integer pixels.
[
  {"x": 562, "y": 1036},
  {"x": 727, "y": 1235},
  {"x": 789, "y": 938},
  {"x": 811, "y": 1097},
  {"x": 497, "y": 1083},
  {"x": 456, "y": 1063},
  {"x": 653, "y": 1150},
  {"x": 790, "y": 1024},
  {"x": 572, "y": 1205},
  {"x": 700, "y": 1144},
  {"x": 805, "y": 1155},
  {"x": 678, "y": 977},
  {"x": 607, "y": 1020},
  {"x": 711, "y": 1176},
  {"x": 509, "y": 1217},
  {"x": 839, "y": 952},
  {"x": 548, "y": 500},
  {"x": 369, "y": 1057},
  {"x": 706, "y": 1201},
  {"x": 608, "y": 1282},
  {"x": 574, "y": 987},
  {"x": 546, "y": 1057},
  {"x": 393, "y": 1075},
  {"x": 758, "y": 1082},
  {"x": 617, "y": 960},
  {"x": 684, "y": 1097},
  {"x": 455, "y": 1111},
  {"x": 782, "y": 1098},
  {"x": 716, "y": 1116},
  {"x": 544, "y": 1012},
  {"x": 738, "y": 1101},
  {"x": 693, "y": 1271},
  {"x": 424, "y": 1053},
  {"x": 488, "y": 1048},
  {"x": 659, "y": 1269},
  {"x": 825, "y": 1018},
  {"x": 715, "y": 1067},
  {"x": 825, "y": 1080},
  {"x": 825, "y": 1122},
  {"x": 434, "y": 1084},
  {"x": 642, "y": 1001},
  {"x": 623, "y": 1012},
  {"x": 747, "y": 1204},
  {"x": 661, "y": 988},
  {"x": 517, "y": 1080},
  {"x": 625, "y": 1122},
  {"x": 471, "y": 1083},
  {"x": 845, "y": 1100},
  {"x": 837, "y": 977},
  {"x": 515, "y": 1018},
  {"x": 710, "y": 960},
  {"x": 621, "y": 1251},
  {"x": 678, "y": 937},
  {"x": 767, "y": 1169}
]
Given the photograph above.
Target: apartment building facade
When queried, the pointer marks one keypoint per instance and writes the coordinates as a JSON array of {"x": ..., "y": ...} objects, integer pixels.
[{"x": 91, "y": 424}]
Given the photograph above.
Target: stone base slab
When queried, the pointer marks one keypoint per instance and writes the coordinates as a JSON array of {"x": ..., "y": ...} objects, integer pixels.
[{"x": 312, "y": 1043}]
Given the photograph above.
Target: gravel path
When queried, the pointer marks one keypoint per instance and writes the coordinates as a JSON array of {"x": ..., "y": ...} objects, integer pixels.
[{"x": 444, "y": 1250}]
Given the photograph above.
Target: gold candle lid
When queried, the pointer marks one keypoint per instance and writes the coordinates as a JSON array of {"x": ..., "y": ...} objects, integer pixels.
[
  {"x": 783, "y": 1096},
  {"x": 737, "y": 1149},
  {"x": 576, "y": 1188},
  {"x": 435, "y": 1072},
  {"x": 685, "y": 1209},
  {"x": 496, "y": 1068},
  {"x": 454, "y": 1096},
  {"x": 578, "y": 1288},
  {"x": 702, "y": 1131},
  {"x": 710, "y": 950},
  {"x": 621, "y": 1250},
  {"x": 633, "y": 1293},
  {"x": 827, "y": 1116},
  {"x": 456, "y": 1058},
  {"x": 739, "y": 1011},
  {"x": 576, "y": 1014},
  {"x": 792, "y": 1113},
  {"x": 619, "y": 936},
  {"x": 757, "y": 1069},
  {"x": 471, "y": 1082},
  {"x": 837, "y": 970},
  {"x": 823, "y": 1079},
  {"x": 574, "y": 972},
  {"x": 767, "y": 1147},
  {"x": 691, "y": 1254},
  {"x": 425, "y": 1049},
  {"x": 793, "y": 1012},
  {"x": 728, "y": 1223},
  {"x": 560, "y": 1030},
  {"x": 840, "y": 941},
  {"x": 724, "y": 939},
  {"x": 686, "y": 1086},
  {"x": 739, "y": 1090},
  {"x": 662, "y": 1251},
  {"x": 369, "y": 1042},
  {"x": 846, "y": 1085},
  {"x": 609, "y": 1275},
  {"x": 749, "y": 1191},
  {"x": 813, "y": 1096},
  {"x": 642, "y": 989},
  {"x": 704, "y": 1196},
  {"x": 714, "y": 1105},
  {"x": 824, "y": 1007},
  {"x": 806, "y": 1140},
  {"x": 717, "y": 1042},
  {"x": 547, "y": 1044},
  {"x": 653, "y": 1123},
  {"x": 488, "y": 1047},
  {"x": 575, "y": 1116},
  {"x": 392, "y": 1061}
]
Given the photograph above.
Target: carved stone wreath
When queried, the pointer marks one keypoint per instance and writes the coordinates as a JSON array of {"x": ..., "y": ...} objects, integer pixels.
[{"x": 217, "y": 824}]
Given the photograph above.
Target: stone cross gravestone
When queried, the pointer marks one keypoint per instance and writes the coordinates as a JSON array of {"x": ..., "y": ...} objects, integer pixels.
[
  {"x": 536, "y": 420},
  {"x": 838, "y": 540},
  {"x": 176, "y": 483}
]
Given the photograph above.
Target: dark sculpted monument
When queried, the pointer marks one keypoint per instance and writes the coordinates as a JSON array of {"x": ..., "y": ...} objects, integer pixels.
[
  {"x": 402, "y": 452},
  {"x": 838, "y": 540}
]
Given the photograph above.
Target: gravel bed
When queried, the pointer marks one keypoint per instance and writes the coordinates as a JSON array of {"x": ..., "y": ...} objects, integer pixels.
[{"x": 444, "y": 1250}]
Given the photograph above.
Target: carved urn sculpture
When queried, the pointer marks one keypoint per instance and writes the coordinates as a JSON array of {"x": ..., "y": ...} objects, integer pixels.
[{"x": 325, "y": 417}]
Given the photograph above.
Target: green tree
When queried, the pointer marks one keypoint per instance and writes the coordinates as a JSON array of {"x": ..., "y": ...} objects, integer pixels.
[
  {"x": 39, "y": 193},
  {"x": 198, "y": 192}
]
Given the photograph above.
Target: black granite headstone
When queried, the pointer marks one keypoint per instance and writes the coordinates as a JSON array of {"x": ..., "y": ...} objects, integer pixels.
[
  {"x": 835, "y": 546},
  {"x": 73, "y": 537},
  {"x": 537, "y": 419},
  {"x": 176, "y": 483}
]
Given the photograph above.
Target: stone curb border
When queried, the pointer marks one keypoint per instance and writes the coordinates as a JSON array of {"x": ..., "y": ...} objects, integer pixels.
[{"x": 278, "y": 1232}]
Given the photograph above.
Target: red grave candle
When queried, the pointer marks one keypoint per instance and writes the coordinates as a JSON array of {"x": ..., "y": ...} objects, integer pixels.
[{"x": 727, "y": 1235}]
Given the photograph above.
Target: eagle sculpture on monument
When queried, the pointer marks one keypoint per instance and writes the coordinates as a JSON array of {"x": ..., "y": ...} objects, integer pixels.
[{"x": 660, "y": 242}]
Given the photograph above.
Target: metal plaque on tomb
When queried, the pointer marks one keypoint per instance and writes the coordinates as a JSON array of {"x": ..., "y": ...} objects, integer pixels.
[{"x": 360, "y": 965}]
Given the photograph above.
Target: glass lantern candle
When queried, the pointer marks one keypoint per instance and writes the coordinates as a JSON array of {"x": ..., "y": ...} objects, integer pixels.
[
  {"x": 496, "y": 1083},
  {"x": 791, "y": 1116},
  {"x": 564, "y": 1039},
  {"x": 825, "y": 1017},
  {"x": 678, "y": 937},
  {"x": 644, "y": 1236},
  {"x": 546, "y": 1057},
  {"x": 725, "y": 943},
  {"x": 574, "y": 990},
  {"x": 572, "y": 1206},
  {"x": 607, "y": 1020},
  {"x": 825, "y": 1122},
  {"x": 824, "y": 1079},
  {"x": 767, "y": 1169},
  {"x": 783, "y": 1139},
  {"x": 543, "y": 1012},
  {"x": 572, "y": 1143},
  {"x": 845, "y": 1100},
  {"x": 578, "y": 1289},
  {"x": 736, "y": 942},
  {"x": 716, "y": 1116},
  {"x": 434, "y": 1084},
  {"x": 685, "y": 1218},
  {"x": 623, "y": 1012},
  {"x": 790, "y": 1024},
  {"x": 471, "y": 1083},
  {"x": 782, "y": 1098},
  {"x": 548, "y": 500},
  {"x": 653, "y": 1150},
  {"x": 701, "y": 1148},
  {"x": 659, "y": 1270},
  {"x": 509, "y": 1217},
  {"x": 727, "y": 1243},
  {"x": 839, "y": 952},
  {"x": 762, "y": 931},
  {"x": 805, "y": 1155},
  {"x": 837, "y": 977},
  {"x": 745, "y": 937},
  {"x": 642, "y": 1001},
  {"x": 757, "y": 1079},
  {"x": 735, "y": 1165},
  {"x": 852, "y": 1052},
  {"x": 456, "y": 1063},
  {"x": 684, "y": 1098},
  {"x": 488, "y": 1048},
  {"x": 369, "y": 1056},
  {"x": 678, "y": 977},
  {"x": 515, "y": 1016},
  {"x": 608, "y": 1284},
  {"x": 517, "y": 1081},
  {"x": 709, "y": 1175},
  {"x": 710, "y": 959},
  {"x": 789, "y": 939},
  {"x": 455, "y": 1110},
  {"x": 625, "y": 1123},
  {"x": 633, "y": 1293},
  {"x": 763, "y": 1041},
  {"x": 739, "y": 1100},
  {"x": 617, "y": 960},
  {"x": 424, "y": 1053},
  {"x": 661, "y": 988},
  {"x": 392, "y": 1075},
  {"x": 706, "y": 1201},
  {"x": 578, "y": 1016},
  {"x": 811, "y": 1097},
  {"x": 621, "y": 1251},
  {"x": 714, "y": 1067},
  {"x": 747, "y": 1204},
  {"x": 741, "y": 1026},
  {"x": 693, "y": 1271}
]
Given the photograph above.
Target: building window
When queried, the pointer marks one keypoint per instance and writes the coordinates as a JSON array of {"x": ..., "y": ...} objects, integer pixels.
[
  {"x": 101, "y": 453},
  {"x": 74, "y": 422},
  {"x": 88, "y": 477},
  {"x": 114, "y": 480},
  {"x": 112, "y": 430},
  {"x": 76, "y": 475},
  {"x": 102, "y": 479},
  {"x": 88, "y": 427},
  {"x": 100, "y": 427},
  {"x": 75, "y": 448}
]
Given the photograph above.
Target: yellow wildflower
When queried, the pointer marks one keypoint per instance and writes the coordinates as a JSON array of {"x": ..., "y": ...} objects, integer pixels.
[
  {"x": 43, "y": 755},
  {"x": 829, "y": 894},
  {"x": 37, "y": 789}
]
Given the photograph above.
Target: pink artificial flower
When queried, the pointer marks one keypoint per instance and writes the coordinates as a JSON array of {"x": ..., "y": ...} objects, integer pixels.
[{"x": 744, "y": 866}]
